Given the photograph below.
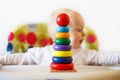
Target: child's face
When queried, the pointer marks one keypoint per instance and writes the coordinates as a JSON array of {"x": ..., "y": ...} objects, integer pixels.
[
  {"x": 76, "y": 32},
  {"x": 76, "y": 36}
]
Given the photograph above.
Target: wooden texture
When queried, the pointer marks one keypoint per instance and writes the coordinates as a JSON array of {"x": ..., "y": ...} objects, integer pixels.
[
  {"x": 53, "y": 70},
  {"x": 35, "y": 72}
]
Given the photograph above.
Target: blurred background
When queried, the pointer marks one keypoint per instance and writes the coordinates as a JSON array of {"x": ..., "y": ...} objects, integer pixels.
[{"x": 103, "y": 16}]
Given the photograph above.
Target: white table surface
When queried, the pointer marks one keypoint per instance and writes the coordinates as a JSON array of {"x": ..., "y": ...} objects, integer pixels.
[{"x": 35, "y": 72}]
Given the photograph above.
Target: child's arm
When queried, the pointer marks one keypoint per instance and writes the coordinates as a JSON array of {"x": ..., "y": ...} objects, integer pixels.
[
  {"x": 110, "y": 58},
  {"x": 18, "y": 59},
  {"x": 40, "y": 56},
  {"x": 14, "y": 59}
]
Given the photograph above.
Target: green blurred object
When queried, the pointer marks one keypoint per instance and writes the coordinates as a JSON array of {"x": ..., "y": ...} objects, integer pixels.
[
  {"x": 17, "y": 39},
  {"x": 90, "y": 39},
  {"x": 27, "y": 36}
]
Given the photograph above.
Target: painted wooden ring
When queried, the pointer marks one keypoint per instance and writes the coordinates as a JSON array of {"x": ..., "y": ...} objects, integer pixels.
[
  {"x": 62, "y": 29},
  {"x": 62, "y": 41},
  {"x": 57, "y": 66},
  {"x": 63, "y": 60},
  {"x": 62, "y": 35},
  {"x": 62, "y": 47},
  {"x": 62, "y": 53}
]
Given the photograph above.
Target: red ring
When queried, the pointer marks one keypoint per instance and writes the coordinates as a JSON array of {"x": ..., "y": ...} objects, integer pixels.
[{"x": 59, "y": 66}]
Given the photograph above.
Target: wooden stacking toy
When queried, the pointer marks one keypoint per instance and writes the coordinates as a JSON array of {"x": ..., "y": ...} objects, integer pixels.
[{"x": 62, "y": 54}]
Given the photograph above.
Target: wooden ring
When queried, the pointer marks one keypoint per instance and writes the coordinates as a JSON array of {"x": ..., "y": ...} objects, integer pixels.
[
  {"x": 62, "y": 47},
  {"x": 62, "y": 53},
  {"x": 62, "y": 29},
  {"x": 62, "y": 35},
  {"x": 63, "y": 60},
  {"x": 62, "y": 41},
  {"x": 62, "y": 66}
]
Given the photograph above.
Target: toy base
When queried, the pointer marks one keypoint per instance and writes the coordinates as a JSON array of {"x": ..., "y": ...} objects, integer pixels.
[{"x": 54, "y": 70}]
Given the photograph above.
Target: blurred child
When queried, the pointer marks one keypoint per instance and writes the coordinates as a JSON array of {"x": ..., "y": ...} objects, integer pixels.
[{"x": 43, "y": 56}]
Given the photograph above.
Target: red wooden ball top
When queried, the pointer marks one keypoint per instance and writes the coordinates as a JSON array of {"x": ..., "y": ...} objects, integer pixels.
[{"x": 63, "y": 19}]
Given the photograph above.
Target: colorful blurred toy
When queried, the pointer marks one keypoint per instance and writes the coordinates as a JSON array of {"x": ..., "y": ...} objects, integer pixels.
[
  {"x": 90, "y": 39},
  {"x": 28, "y": 36},
  {"x": 62, "y": 54}
]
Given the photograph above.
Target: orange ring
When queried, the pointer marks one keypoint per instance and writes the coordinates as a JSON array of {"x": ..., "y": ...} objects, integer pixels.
[{"x": 62, "y": 35}]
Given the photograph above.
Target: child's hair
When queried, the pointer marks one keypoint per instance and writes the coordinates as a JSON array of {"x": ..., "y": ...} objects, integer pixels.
[{"x": 71, "y": 13}]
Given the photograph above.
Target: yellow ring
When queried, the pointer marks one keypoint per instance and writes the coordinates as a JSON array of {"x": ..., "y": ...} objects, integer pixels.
[
  {"x": 62, "y": 53},
  {"x": 62, "y": 35}
]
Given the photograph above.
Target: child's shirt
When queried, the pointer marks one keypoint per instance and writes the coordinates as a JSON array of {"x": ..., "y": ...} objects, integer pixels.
[{"x": 43, "y": 56}]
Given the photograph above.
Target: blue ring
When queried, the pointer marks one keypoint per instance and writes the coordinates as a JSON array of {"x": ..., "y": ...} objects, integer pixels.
[
  {"x": 64, "y": 60},
  {"x": 62, "y": 47},
  {"x": 62, "y": 29}
]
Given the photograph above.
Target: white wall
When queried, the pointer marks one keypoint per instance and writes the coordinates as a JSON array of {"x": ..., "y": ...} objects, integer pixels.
[{"x": 101, "y": 15}]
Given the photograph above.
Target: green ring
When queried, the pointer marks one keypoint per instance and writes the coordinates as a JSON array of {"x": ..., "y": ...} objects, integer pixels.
[{"x": 62, "y": 41}]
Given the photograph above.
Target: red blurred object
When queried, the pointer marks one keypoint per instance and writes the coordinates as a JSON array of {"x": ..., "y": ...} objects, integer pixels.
[
  {"x": 63, "y": 19},
  {"x": 91, "y": 38},
  {"x": 50, "y": 41},
  {"x": 43, "y": 41},
  {"x": 31, "y": 38},
  {"x": 11, "y": 36},
  {"x": 21, "y": 37}
]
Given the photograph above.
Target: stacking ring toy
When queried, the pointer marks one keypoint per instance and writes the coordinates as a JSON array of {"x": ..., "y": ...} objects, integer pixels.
[
  {"x": 62, "y": 35},
  {"x": 62, "y": 53},
  {"x": 62, "y": 41},
  {"x": 62, "y": 29},
  {"x": 62, "y": 47},
  {"x": 63, "y": 60},
  {"x": 61, "y": 66}
]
